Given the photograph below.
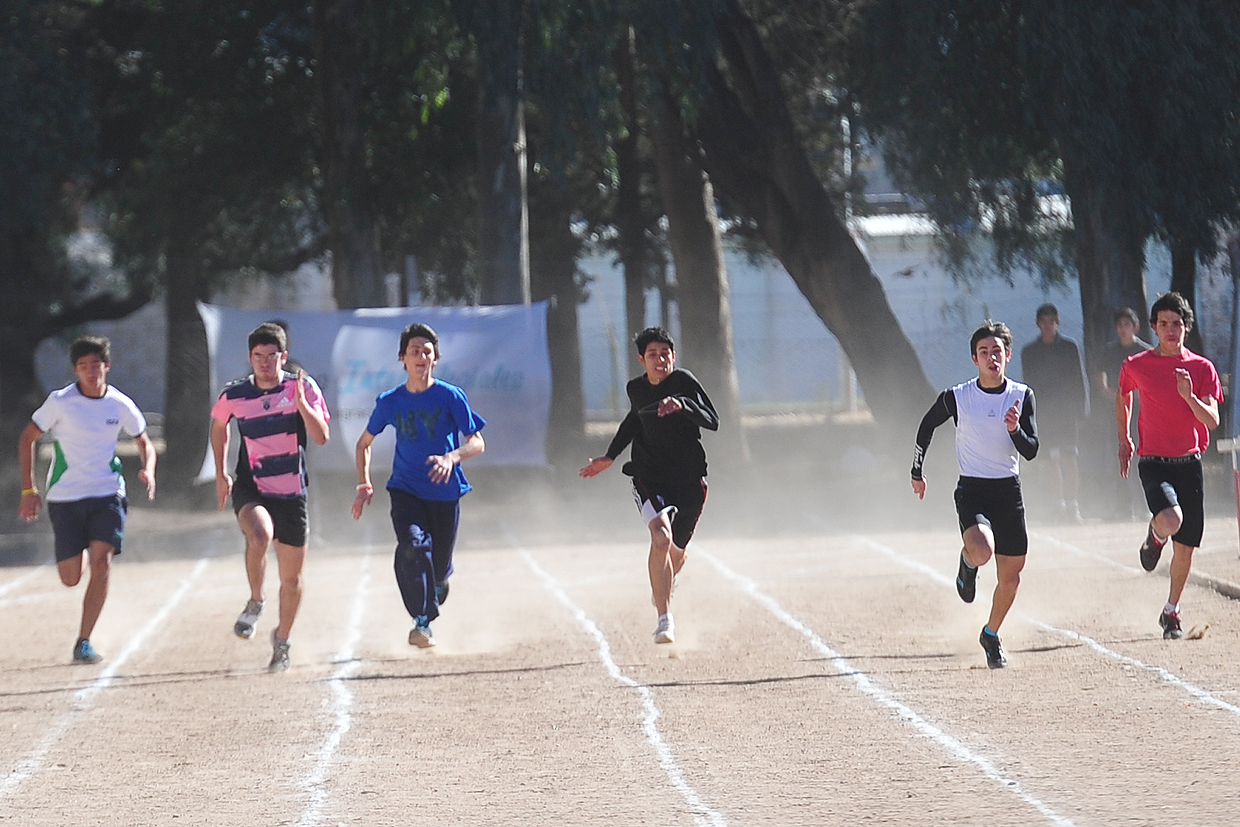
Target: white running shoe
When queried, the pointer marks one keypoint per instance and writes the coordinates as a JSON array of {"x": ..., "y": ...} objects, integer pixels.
[
  {"x": 279, "y": 654},
  {"x": 666, "y": 630},
  {"x": 421, "y": 637},
  {"x": 244, "y": 627}
]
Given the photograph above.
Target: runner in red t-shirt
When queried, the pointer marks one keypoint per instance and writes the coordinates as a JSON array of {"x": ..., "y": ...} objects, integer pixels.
[{"x": 1180, "y": 393}]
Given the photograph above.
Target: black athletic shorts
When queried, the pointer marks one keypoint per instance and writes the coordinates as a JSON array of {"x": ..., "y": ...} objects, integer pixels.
[
  {"x": 78, "y": 523},
  {"x": 290, "y": 524},
  {"x": 1171, "y": 481},
  {"x": 684, "y": 501},
  {"x": 996, "y": 503}
]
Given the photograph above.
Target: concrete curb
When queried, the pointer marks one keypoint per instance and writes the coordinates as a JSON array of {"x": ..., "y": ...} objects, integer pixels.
[{"x": 1224, "y": 587}]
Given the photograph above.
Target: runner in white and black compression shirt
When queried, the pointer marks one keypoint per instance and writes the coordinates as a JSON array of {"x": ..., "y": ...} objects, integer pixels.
[
  {"x": 995, "y": 426},
  {"x": 977, "y": 455}
]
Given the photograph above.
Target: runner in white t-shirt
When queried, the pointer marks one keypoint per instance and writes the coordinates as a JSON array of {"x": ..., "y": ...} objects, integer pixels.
[{"x": 85, "y": 487}]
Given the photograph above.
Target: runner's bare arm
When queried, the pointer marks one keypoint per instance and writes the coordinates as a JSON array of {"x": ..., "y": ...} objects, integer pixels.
[
  {"x": 219, "y": 449},
  {"x": 146, "y": 452},
  {"x": 441, "y": 466},
  {"x": 316, "y": 426},
  {"x": 1205, "y": 408},
  {"x": 365, "y": 491},
  {"x": 1123, "y": 414},
  {"x": 31, "y": 502}
]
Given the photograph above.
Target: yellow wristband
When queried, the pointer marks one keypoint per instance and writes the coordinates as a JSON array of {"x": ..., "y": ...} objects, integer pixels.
[{"x": 28, "y": 491}]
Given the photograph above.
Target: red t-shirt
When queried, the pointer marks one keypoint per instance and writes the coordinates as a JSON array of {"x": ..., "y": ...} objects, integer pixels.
[{"x": 1166, "y": 426}]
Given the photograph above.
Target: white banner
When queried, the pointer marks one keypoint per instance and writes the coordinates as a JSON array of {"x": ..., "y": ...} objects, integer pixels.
[{"x": 498, "y": 355}]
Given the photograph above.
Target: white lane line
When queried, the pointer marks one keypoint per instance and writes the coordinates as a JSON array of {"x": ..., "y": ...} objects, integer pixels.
[
  {"x": 883, "y": 697},
  {"x": 1089, "y": 555},
  {"x": 1163, "y": 674},
  {"x": 26, "y": 599},
  {"x": 82, "y": 701},
  {"x": 667, "y": 762},
  {"x": 340, "y": 706},
  {"x": 30, "y": 575}
]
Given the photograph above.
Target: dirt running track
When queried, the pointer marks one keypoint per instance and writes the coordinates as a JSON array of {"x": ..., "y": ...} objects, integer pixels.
[{"x": 822, "y": 678}]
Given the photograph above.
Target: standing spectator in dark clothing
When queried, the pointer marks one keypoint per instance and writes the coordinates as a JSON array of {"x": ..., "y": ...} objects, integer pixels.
[
  {"x": 1051, "y": 365},
  {"x": 1127, "y": 495},
  {"x": 667, "y": 464}
]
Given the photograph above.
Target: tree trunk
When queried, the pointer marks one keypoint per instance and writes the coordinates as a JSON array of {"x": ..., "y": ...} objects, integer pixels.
[
  {"x": 1184, "y": 282},
  {"x": 702, "y": 279},
  {"x": 20, "y": 395},
  {"x": 1110, "y": 263},
  {"x": 755, "y": 156},
  {"x": 630, "y": 221},
  {"x": 187, "y": 394},
  {"x": 503, "y": 217},
  {"x": 554, "y": 280},
  {"x": 357, "y": 280}
]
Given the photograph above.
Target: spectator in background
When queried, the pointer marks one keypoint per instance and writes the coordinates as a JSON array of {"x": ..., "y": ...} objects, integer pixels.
[
  {"x": 1051, "y": 365},
  {"x": 1126, "y": 502}
]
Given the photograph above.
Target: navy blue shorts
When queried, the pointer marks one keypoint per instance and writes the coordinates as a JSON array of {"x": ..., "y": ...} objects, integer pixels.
[
  {"x": 996, "y": 503},
  {"x": 1176, "y": 481},
  {"x": 78, "y": 523}
]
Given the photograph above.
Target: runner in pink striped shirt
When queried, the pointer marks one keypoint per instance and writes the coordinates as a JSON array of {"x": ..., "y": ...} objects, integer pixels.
[{"x": 275, "y": 412}]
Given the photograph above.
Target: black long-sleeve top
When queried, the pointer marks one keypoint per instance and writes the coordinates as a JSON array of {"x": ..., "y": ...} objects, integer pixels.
[{"x": 667, "y": 448}]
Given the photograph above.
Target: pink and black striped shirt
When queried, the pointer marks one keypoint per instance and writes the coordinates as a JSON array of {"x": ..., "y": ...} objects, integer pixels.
[{"x": 272, "y": 455}]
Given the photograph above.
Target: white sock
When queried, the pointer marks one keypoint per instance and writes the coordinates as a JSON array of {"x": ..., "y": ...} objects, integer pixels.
[{"x": 1172, "y": 608}]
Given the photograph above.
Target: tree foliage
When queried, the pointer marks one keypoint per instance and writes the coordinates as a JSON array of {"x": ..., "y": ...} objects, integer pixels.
[{"x": 984, "y": 106}]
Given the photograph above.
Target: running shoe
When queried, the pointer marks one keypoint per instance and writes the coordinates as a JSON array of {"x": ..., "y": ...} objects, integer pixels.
[
  {"x": 995, "y": 658},
  {"x": 441, "y": 592},
  {"x": 1151, "y": 550},
  {"x": 666, "y": 630},
  {"x": 83, "y": 652},
  {"x": 966, "y": 581},
  {"x": 279, "y": 654},
  {"x": 244, "y": 627},
  {"x": 1170, "y": 623},
  {"x": 420, "y": 635}
]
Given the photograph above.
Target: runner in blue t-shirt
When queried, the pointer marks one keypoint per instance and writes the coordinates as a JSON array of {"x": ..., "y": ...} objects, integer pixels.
[{"x": 426, "y": 486}]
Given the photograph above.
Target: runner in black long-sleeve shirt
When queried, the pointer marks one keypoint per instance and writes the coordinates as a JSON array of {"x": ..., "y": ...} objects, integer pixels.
[{"x": 668, "y": 464}]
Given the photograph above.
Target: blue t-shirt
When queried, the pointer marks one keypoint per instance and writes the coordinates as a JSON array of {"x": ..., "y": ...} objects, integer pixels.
[{"x": 430, "y": 423}]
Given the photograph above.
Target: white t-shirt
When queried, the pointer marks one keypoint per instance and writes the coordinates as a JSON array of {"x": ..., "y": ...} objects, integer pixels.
[{"x": 85, "y": 431}]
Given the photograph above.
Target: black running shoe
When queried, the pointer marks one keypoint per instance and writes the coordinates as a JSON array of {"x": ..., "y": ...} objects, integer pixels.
[
  {"x": 994, "y": 650},
  {"x": 966, "y": 581},
  {"x": 1170, "y": 623},
  {"x": 441, "y": 592},
  {"x": 1151, "y": 550}
]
